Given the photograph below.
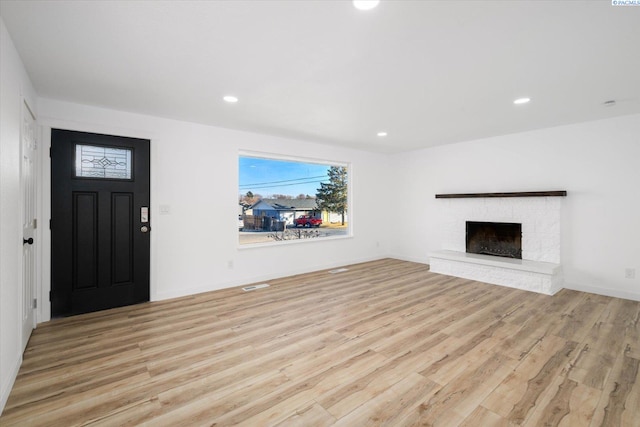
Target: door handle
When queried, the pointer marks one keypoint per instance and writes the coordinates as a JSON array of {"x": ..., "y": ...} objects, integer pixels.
[
  {"x": 29, "y": 241},
  {"x": 145, "y": 228}
]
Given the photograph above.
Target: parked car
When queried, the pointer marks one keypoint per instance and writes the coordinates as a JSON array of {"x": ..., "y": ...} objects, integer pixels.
[
  {"x": 240, "y": 222},
  {"x": 308, "y": 221}
]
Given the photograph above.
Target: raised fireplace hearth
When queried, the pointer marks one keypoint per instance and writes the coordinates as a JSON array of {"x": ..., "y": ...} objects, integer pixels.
[
  {"x": 502, "y": 239},
  {"x": 508, "y": 239}
]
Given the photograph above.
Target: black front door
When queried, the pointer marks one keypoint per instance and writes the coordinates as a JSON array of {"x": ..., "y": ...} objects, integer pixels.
[{"x": 99, "y": 222}]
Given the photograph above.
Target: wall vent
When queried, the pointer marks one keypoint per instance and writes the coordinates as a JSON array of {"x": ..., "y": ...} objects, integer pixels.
[
  {"x": 338, "y": 270},
  {"x": 254, "y": 287}
]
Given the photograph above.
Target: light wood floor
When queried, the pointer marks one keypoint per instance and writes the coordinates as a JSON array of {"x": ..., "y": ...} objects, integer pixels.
[{"x": 386, "y": 343}]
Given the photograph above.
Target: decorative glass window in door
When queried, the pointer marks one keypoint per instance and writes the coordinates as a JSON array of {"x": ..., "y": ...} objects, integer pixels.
[{"x": 103, "y": 162}]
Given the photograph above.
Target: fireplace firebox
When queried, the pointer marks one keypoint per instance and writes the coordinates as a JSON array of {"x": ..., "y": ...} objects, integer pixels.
[{"x": 494, "y": 238}]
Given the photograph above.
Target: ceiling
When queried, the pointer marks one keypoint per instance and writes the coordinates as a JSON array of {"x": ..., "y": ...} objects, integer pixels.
[{"x": 426, "y": 72}]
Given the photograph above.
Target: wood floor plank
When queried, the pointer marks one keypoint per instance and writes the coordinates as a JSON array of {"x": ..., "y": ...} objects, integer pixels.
[
  {"x": 481, "y": 416},
  {"x": 619, "y": 395},
  {"x": 604, "y": 343},
  {"x": 454, "y": 402},
  {"x": 566, "y": 404},
  {"x": 357, "y": 391},
  {"x": 581, "y": 319},
  {"x": 69, "y": 408},
  {"x": 632, "y": 331},
  {"x": 129, "y": 416},
  {"x": 207, "y": 400},
  {"x": 538, "y": 384},
  {"x": 510, "y": 394},
  {"x": 282, "y": 403},
  {"x": 462, "y": 352},
  {"x": 386, "y": 342},
  {"x": 387, "y": 407},
  {"x": 312, "y": 415}
]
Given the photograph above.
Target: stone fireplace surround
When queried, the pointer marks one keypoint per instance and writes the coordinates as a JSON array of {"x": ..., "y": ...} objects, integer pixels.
[{"x": 539, "y": 270}]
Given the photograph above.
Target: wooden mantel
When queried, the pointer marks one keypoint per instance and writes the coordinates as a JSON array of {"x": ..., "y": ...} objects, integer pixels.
[{"x": 562, "y": 193}]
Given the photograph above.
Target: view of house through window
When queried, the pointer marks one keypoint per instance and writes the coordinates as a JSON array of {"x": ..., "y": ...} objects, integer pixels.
[{"x": 284, "y": 200}]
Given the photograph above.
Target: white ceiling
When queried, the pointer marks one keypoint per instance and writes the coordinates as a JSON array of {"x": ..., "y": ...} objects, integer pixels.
[{"x": 427, "y": 72}]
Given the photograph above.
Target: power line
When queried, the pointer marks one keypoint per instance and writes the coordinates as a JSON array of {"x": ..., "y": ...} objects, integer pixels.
[
  {"x": 281, "y": 185},
  {"x": 286, "y": 180}
]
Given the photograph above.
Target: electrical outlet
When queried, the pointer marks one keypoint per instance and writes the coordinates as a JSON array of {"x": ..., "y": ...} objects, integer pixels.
[
  {"x": 230, "y": 265},
  {"x": 630, "y": 273}
]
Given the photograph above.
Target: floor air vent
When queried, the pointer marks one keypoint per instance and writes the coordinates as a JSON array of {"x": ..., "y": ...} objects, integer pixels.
[
  {"x": 338, "y": 270},
  {"x": 254, "y": 287}
]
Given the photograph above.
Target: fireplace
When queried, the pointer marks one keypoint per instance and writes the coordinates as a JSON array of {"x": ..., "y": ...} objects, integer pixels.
[
  {"x": 502, "y": 239},
  {"x": 534, "y": 264}
]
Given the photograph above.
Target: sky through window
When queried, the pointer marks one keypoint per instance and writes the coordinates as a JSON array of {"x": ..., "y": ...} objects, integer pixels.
[{"x": 272, "y": 176}]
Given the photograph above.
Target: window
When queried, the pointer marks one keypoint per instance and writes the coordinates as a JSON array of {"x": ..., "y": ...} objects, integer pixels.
[
  {"x": 103, "y": 162},
  {"x": 291, "y": 200}
]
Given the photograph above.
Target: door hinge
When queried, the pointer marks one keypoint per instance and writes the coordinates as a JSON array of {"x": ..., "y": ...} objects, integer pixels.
[
  {"x": 35, "y": 303},
  {"x": 49, "y": 296},
  {"x": 35, "y": 222},
  {"x": 49, "y": 224},
  {"x": 49, "y": 151}
]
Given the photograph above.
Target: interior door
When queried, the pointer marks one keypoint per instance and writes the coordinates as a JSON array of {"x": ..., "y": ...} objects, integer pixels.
[
  {"x": 28, "y": 179},
  {"x": 100, "y": 222}
]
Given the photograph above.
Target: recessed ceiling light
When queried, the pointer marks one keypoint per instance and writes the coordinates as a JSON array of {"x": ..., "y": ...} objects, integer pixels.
[
  {"x": 365, "y": 4},
  {"x": 382, "y": 134},
  {"x": 521, "y": 101},
  {"x": 230, "y": 98}
]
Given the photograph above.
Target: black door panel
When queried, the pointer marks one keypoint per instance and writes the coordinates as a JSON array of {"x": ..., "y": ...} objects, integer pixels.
[{"x": 99, "y": 256}]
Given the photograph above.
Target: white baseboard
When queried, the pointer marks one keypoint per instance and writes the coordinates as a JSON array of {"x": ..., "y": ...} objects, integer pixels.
[
  {"x": 8, "y": 381},
  {"x": 418, "y": 260},
  {"x": 634, "y": 296},
  {"x": 177, "y": 293}
]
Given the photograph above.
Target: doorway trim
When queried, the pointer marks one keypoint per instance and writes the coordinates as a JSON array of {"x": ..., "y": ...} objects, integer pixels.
[{"x": 29, "y": 144}]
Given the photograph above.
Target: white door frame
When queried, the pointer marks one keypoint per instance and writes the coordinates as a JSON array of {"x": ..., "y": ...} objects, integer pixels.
[
  {"x": 29, "y": 202},
  {"x": 43, "y": 312}
]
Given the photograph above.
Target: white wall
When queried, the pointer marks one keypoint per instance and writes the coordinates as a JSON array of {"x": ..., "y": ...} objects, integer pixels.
[
  {"x": 598, "y": 163},
  {"x": 194, "y": 170},
  {"x": 15, "y": 88}
]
